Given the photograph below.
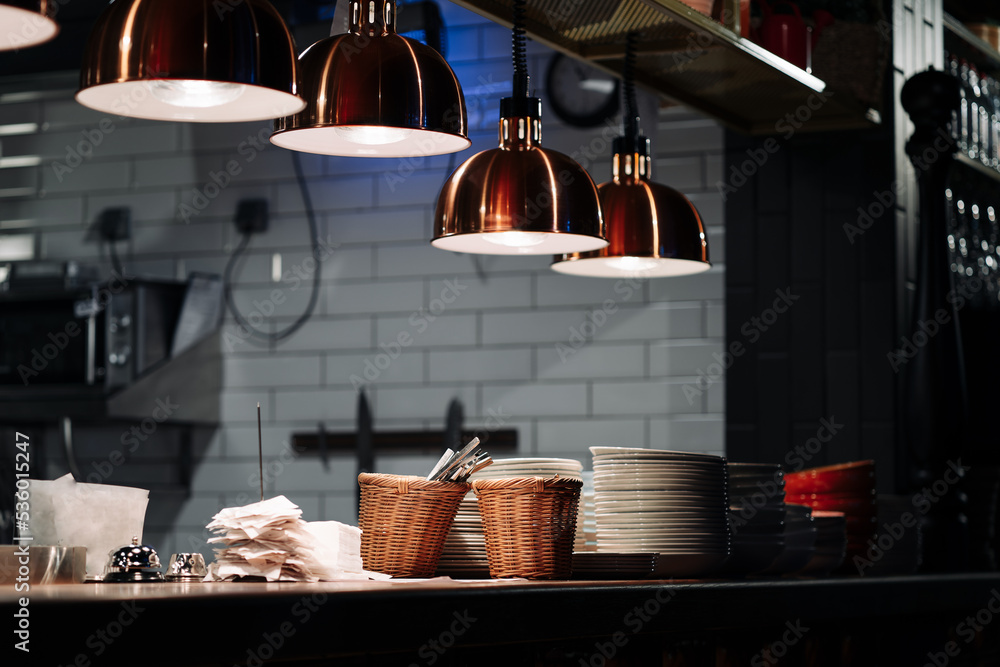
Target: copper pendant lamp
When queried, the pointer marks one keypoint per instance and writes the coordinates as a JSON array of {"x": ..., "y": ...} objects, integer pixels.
[
  {"x": 654, "y": 231},
  {"x": 190, "y": 60},
  {"x": 519, "y": 198},
  {"x": 26, "y": 23},
  {"x": 372, "y": 92}
]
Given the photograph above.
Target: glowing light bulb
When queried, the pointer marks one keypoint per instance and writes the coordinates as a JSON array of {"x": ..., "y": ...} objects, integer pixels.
[
  {"x": 373, "y": 135},
  {"x": 515, "y": 239},
  {"x": 632, "y": 264},
  {"x": 195, "y": 94}
]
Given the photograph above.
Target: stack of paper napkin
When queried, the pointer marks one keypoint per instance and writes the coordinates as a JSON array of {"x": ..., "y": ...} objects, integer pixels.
[{"x": 269, "y": 539}]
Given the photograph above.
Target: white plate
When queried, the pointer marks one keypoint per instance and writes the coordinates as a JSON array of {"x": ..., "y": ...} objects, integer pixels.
[
  {"x": 691, "y": 464},
  {"x": 716, "y": 527},
  {"x": 648, "y": 472},
  {"x": 709, "y": 499},
  {"x": 628, "y": 476},
  {"x": 666, "y": 523},
  {"x": 666, "y": 548},
  {"x": 638, "y": 519},
  {"x": 672, "y": 535},
  {"x": 678, "y": 532},
  {"x": 635, "y": 465},
  {"x": 610, "y": 548},
  {"x": 707, "y": 491},
  {"x": 538, "y": 461},
  {"x": 605, "y": 548},
  {"x": 633, "y": 545},
  {"x": 645, "y": 516},
  {"x": 546, "y": 468},
  {"x": 664, "y": 543},
  {"x": 665, "y": 508},
  {"x": 682, "y": 532},
  {"x": 660, "y": 476},
  {"x": 657, "y": 453},
  {"x": 665, "y": 487},
  {"x": 681, "y": 537},
  {"x": 569, "y": 476}
]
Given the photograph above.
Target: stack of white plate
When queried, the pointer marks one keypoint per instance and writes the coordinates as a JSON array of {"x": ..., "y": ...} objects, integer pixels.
[
  {"x": 464, "y": 553},
  {"x": 586, "y": 520},
  {"x": 670, "y": 503},
  {"x": 756, "y": 516},
  {"x": 800, "y": 541}
]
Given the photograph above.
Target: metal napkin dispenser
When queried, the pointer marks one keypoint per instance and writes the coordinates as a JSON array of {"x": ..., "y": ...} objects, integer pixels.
[{"x": 45, "y": 565}]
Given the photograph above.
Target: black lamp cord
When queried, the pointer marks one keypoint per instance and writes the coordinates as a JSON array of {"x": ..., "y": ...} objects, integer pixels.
[
  {"x": 256, "y": 334},
  {"x": 116, "y": 262},
  {"x": 630, "y": 118},
  {"x": 517, "y": 43}
]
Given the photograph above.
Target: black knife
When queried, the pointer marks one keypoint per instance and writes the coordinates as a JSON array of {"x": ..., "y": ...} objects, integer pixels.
[
  {"x": 453, "y": 425},
  {"x": 324, "y": 451},
  {"x": 363, "y": 441}
]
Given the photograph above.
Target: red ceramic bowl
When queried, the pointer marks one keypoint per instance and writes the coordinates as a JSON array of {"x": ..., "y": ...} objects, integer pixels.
[{"x": 844, "y": 477}]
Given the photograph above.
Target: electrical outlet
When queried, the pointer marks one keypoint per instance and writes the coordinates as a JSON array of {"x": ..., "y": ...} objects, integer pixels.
[
  {"x": 251, "y": 216},
  {"x": 115, "y": 224}
]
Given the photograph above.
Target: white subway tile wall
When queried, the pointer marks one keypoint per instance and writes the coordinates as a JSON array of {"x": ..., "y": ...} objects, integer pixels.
[{"x": 569, "y": 362}]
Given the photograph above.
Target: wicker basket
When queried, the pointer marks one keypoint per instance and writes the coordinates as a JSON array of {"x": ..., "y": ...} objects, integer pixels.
[
  {"x": 529, "y": 524},
  {"x": 404, "y": 521}
]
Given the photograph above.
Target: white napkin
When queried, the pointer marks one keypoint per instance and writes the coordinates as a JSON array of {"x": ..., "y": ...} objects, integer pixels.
[
  {"x": 269, "y": 539},
  {"x": 101, "y": 517}
]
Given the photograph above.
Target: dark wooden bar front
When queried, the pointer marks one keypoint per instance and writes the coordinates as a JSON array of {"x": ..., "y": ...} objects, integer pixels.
[{"x": 833, "y": 621}]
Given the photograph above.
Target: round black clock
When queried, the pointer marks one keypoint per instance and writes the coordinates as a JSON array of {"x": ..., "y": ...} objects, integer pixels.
[{"x": 579, "y": 94}]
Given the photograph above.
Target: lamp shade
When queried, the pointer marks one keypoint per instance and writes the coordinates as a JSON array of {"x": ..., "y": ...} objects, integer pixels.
[
  {"x": 519, "y": 199},
  {"x": 190, "y": 60},
  {"x": 372, "y": 92},
  {"x": 26, "y": 23},
  {"x": 653, "y": 230}
]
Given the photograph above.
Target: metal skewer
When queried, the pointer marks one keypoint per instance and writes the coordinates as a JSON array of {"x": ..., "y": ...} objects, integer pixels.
[
  {"x": 260, "y": 454},
  {"x": 457, "y": 459},
  {"x": 457, "y": 467},
  {"x": 448, "y": 453}
]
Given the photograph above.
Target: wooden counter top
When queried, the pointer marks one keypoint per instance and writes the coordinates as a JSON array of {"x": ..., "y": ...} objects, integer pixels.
[{"x": 101, "y": 624}]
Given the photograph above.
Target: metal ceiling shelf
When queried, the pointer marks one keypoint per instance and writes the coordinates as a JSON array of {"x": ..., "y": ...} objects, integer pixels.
[
  {"x": 965, "y": 43},
  {"x": 977, "y": 166},
  {"x": 688, "y": 58}
]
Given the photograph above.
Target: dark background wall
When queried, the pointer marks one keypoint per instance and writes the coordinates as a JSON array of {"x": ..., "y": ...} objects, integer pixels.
[
  {"x": 826, "y": 357},
  {"x": 786, "y": 227}
]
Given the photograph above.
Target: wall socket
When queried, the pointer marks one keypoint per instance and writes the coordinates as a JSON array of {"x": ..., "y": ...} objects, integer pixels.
[
  {"x": 115, "y": 224},
  {"x": 251, "y": 216}
]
